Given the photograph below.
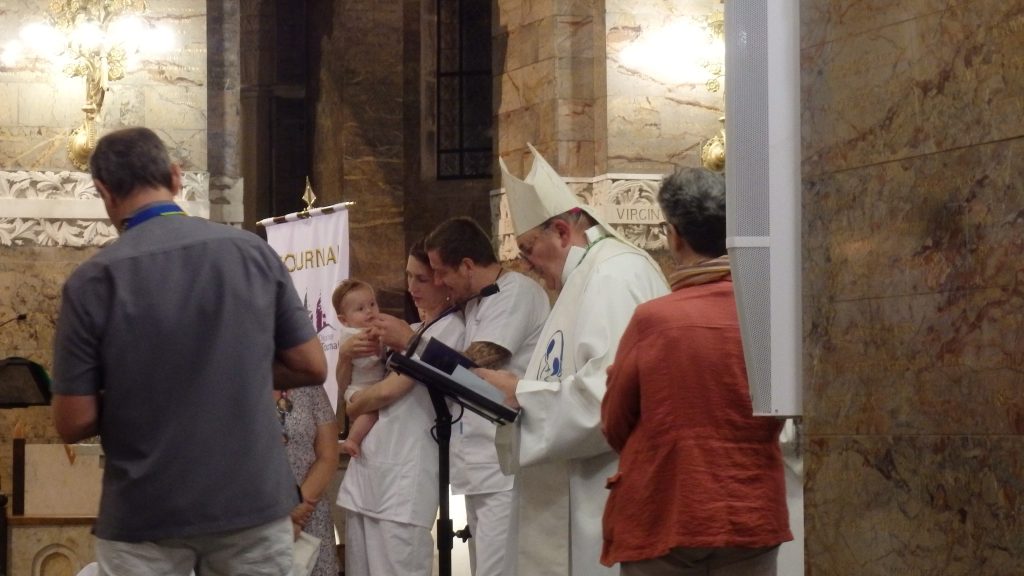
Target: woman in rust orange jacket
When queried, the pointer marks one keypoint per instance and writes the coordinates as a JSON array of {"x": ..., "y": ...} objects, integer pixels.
[{"x": 700, "y": 487}]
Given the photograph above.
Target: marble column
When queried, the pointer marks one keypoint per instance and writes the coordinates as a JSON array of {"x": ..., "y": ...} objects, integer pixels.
[
  {"x": 359, "y": 139},
  {"x": 545, "y": 83},
  {"x": 224, "y": 109},
  {"x": 913, "y": 229}
]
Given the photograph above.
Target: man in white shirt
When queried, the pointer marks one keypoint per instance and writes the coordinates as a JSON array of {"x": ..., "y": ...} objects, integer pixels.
[
  {"x": 556, "y": 446},
  {"x": 502, "y": 330}
]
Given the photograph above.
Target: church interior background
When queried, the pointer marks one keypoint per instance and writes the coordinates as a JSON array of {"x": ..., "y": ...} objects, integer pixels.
[{"x": 912, "y": 117}]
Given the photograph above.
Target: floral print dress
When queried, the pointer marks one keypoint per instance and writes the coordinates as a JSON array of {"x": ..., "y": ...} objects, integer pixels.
[{"x": 310, "y": 407}]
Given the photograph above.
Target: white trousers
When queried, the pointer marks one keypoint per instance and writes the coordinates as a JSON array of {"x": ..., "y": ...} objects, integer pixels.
[
  {"x": 493, "y": 521},
  {"x": 376, "y": 547},
  {"x": 264, "y": 550}
]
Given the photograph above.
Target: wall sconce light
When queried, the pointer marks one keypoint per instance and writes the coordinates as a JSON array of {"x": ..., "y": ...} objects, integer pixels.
[
  {"x": 685, "y": 51},
  {"x": 98, "y": 40},
  {"x": 712, "y": 152}
]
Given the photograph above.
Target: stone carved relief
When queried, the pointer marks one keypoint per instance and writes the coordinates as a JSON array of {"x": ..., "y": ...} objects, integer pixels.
[
  {"x": 226, "y": 200},
  {"x": 631, "y": 207},
  {"x": 627, "y": 203},
  {"x": 74, "y": 230},
  {"x": 502, "y": 230},
  {"x": 47, "y": 185},
  {"x": 69, "y": 233},
  {"x": 55, "y": 559}
]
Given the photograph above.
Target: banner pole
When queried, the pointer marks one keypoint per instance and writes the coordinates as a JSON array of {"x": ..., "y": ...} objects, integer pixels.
[{"x": 303, "y": 214}]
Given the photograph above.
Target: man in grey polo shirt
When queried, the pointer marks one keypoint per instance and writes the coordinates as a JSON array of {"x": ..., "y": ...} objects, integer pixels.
[{"x": 168, "y": 344}]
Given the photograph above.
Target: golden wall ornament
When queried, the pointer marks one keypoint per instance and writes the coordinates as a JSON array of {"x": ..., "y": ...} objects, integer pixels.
[
  {"x": 715, "y": 26},
  {"x": 96, "y": 55},
  {"x": 712, "y": 152}
]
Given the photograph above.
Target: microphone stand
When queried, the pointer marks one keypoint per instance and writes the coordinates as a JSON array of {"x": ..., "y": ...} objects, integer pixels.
[
  {"x": 414, "y": 342},
  {"x": 443, "y": 436},
  {"x": 445, "y": 529}
]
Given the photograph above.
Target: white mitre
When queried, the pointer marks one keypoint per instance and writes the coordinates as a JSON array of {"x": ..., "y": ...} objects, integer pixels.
[{"x": 542, "y": 195}]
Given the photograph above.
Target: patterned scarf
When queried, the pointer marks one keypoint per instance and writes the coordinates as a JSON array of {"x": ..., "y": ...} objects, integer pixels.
[{"x": 704, "y": 273}]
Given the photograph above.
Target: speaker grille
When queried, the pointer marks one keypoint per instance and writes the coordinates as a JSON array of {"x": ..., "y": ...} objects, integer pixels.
[
  {"x": 762, "y": 107},
  {"x": 746, "y": 117},
  {"x": 752, "y": 270}
]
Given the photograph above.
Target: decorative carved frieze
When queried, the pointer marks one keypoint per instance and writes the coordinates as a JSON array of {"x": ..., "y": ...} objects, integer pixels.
[{"x": 64, "y": 209}]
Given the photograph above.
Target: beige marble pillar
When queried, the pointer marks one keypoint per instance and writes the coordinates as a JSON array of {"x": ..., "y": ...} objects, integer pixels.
[
  {"x": 359, "y": 151},
  {"x": 224, "y": 109},
  {"x": 912, "y": 144},
  {"x": 545, "y": 83}
]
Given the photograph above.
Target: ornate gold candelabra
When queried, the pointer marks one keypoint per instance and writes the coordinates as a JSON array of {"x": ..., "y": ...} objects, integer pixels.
[{"x": 94, "y": 56}]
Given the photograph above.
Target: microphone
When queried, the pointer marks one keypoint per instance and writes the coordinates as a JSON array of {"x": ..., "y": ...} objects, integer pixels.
[
  {"x": 414, "y": 342},
  {"x": 489, "y": 290},
  {"x": 17, "y": 318}
]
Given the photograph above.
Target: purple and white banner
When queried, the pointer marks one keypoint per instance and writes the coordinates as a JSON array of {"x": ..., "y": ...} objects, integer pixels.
[{"x": 314, "y": 249}]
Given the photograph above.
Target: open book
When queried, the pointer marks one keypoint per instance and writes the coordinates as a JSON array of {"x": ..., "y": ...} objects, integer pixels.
[{"x": 447, "y": 371}]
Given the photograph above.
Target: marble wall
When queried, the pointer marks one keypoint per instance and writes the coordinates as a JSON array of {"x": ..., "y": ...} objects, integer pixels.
[
  {"x": 546, "y": 59},
  {"x": 609, "y": 97},
  {"x": 913, "y": 224},
  {"x": 44, "y": 199},
  {"x": 664, "y": 87},
  {"x": 359, "y": 137},
  {"x": 603, "y": 88},
  {"x": 30, "y": 283},
  {"x": 39, "y": 104}
]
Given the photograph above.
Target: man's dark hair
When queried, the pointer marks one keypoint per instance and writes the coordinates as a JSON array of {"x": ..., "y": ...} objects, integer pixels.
[
  {"x": 460, "y": 238},
  {"x": 693, "y": 201},
  {"x": 131, "y": 158}
]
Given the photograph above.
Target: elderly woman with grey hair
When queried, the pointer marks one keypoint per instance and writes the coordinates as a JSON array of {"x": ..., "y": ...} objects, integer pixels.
[{"x": 700, "y": 486}]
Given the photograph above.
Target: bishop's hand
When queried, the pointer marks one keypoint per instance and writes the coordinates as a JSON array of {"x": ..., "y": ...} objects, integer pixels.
[{"x": 504, "y": 381}]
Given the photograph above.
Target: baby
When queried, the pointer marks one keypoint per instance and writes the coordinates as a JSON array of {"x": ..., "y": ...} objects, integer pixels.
[{"x": 356, "y": 305}]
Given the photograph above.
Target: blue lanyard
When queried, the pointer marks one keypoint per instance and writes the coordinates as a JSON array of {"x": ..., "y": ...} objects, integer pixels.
[{"x": 162, "y": 209}]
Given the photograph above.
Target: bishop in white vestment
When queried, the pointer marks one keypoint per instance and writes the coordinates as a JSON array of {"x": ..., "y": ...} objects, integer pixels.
[{"x": 557, "y": 446}]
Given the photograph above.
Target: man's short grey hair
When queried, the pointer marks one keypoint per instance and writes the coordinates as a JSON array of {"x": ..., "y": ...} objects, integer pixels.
[
  {"x": 693, "y": 201},
  {"x": 131, "y": 158}
]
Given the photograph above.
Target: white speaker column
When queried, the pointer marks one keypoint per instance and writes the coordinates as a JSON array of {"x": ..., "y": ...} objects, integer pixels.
[{"x": 762, "y": 111}]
